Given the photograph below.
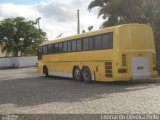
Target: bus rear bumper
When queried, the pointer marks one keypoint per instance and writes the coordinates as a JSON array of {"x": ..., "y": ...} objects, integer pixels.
[
  {"x": 142, "y": 75},
  {"x": 136, "y": 76}
]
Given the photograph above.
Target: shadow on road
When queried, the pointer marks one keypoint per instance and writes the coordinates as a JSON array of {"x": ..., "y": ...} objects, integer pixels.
[{"x": 41, "y": 90}]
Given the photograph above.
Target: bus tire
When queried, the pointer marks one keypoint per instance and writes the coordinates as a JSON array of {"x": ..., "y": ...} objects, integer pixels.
[
  {"x": 45, "y": 71},
  {"x": 77, "y": 74},
  {"x": 87, "y": 77}
]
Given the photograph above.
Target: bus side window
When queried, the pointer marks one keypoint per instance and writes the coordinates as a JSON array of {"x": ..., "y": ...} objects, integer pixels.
[
  {"x": 111, "y": 40},
  {"x": 69, "y": 46},
  {"x": 56, "y": 48},
  {"x": 74, "y": 47},
  {"x": 43, "y": 49},
  {"x": 90, "y": 43},
  {"x": 52, "y": 48},
  {"x": 98, "y": 42},
  {"x": 85, "y": 44},
  {"x": 60, "y": 48},
  {"x": 49, "y": 49},
  {"x": 46, "y": 49},
  {"x": 65, "y": 47},
  {"x": 47, "y": 46},
  {"x": 108, "y": 41},
  {"x": 39, "y": 53},
  {"x": 79, "y": 45}
]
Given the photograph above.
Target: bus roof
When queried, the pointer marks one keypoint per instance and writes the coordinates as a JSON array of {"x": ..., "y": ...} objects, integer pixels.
[{"x": 83, "y": 35}]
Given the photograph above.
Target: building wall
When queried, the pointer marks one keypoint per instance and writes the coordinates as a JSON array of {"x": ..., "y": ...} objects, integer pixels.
[
  {"x": 18, "y": 62},
  {"x": 2, "y": 54}
]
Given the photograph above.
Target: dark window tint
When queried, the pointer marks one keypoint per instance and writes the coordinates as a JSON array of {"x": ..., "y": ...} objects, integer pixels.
[
  {"x": 52, "y": 48},
  {"x": 43, "y": 49},
  {"x": 104, "y": 41},
  {"x": 107, "y": 41},
  {"x": 79, "y": 45},
  {"x": 85, "y": 44},
  {"x": 49, "y": 49},
  {"x": 98, "y": 42},
  {"x": 74, "y": 46},
  {"x": 39, "y": 53},
  {"x": 90, "y": 43},
  {"x": 60, "y": 47},
  {"x": 46, "y": 49},
  {"x": 65, "y": 47},
  {"x": 56, "y": 48},
  {"x": 69, "y": 46}
]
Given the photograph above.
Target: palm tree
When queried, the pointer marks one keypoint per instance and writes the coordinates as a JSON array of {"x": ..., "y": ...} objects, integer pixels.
[
  {"x": 104, "y": 7},
  {"x": 118, "y": 11},
  {"x": 90, "y": 28}
]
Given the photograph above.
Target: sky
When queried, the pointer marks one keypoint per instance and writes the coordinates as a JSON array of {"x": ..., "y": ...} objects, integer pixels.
[{"x": 57, "y": 16}]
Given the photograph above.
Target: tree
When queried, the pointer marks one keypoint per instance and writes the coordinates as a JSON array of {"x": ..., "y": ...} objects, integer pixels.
[
  {"x": 83, "y": 31},
  {"x": 124, "y": 11},
  {"x": 90, "y": 28},
  {"x": 20, "y": 36}
]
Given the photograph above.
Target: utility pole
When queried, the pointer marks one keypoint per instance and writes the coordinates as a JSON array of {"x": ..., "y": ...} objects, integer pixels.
[
  {"x": 78, "y": 23},
  {"x": 38, "y": 19}
]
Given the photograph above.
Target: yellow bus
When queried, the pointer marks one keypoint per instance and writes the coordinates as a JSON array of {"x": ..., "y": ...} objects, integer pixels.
[{"x": 118, "y": 53}]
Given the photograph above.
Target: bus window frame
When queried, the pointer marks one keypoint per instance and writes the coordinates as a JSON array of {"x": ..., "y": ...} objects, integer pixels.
[{"x": 90, "y": 38}]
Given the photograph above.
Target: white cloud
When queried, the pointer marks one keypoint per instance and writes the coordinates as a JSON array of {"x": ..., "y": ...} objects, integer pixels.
[
  {"x": 13, "y": 10},
  {"x": 57, "y": 16},
  {"x": 56, "y": 10}
]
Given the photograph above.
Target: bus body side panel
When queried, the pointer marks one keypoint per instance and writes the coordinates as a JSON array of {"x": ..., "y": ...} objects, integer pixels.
[{"x": 63, "y": 64}]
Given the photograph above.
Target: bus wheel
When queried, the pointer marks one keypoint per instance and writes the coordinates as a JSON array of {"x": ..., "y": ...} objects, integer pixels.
[
  {"x": 77, "y": 74},
  {"x": 45, "y": 71},
  {"x": 86, "y": 74}
]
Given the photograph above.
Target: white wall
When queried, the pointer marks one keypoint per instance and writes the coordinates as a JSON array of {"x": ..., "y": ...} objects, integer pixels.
[{"x": 18, "y": 62}]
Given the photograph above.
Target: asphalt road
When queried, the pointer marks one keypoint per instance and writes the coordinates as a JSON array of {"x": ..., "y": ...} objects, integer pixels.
[{"x": 23, "y": 91}]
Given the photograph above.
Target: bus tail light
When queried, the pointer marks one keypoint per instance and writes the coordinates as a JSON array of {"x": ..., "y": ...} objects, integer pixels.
[
  {"x": 108, "y": 69},
  {"x": 155, "y": 68},
  {"x": 124, "y": 62},
  {"x": 122, "y": 70}
]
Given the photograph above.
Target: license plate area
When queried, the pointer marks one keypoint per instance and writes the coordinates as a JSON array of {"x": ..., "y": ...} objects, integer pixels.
[
  {"x": 140, "y": 68},
  {"x": 140, "y": 64}
]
